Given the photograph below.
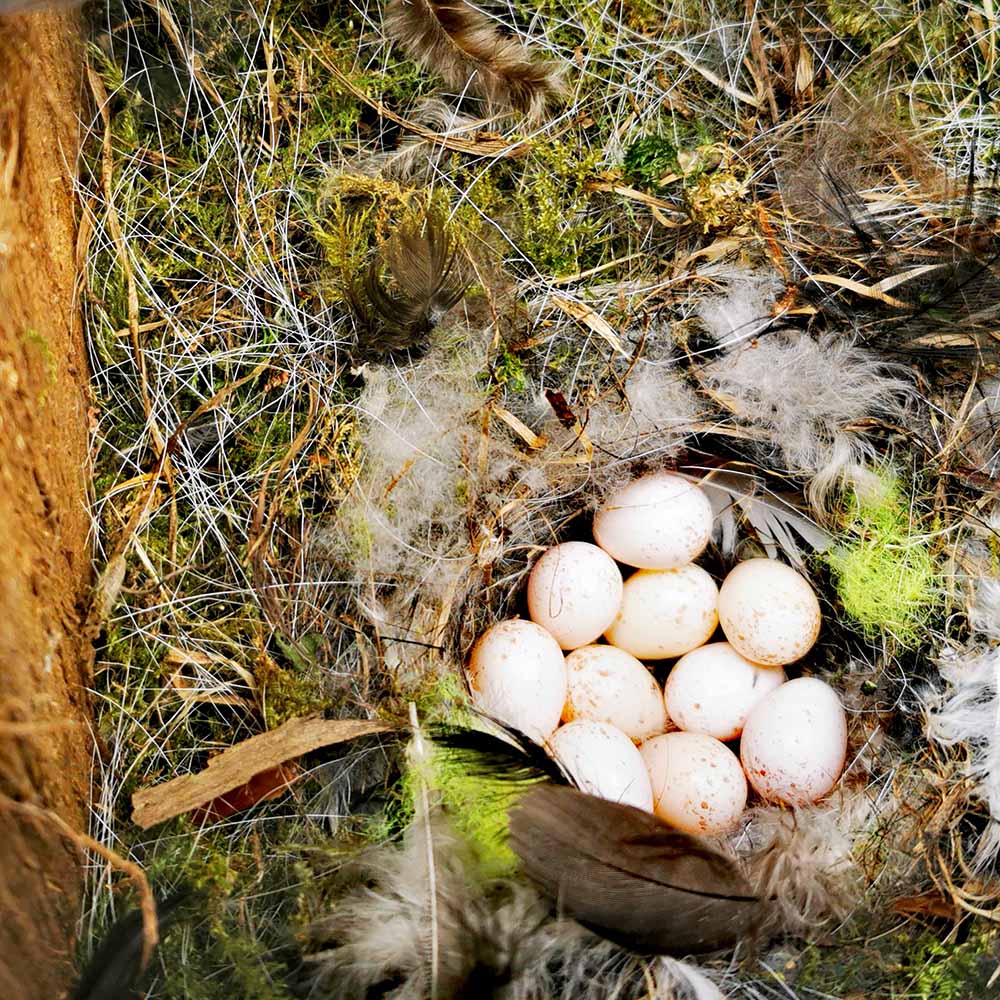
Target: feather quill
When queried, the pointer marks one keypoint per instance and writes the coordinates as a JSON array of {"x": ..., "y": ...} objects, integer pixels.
[
  {"x": 463, "y": 46},
  {"x": 629, "y": 877}
]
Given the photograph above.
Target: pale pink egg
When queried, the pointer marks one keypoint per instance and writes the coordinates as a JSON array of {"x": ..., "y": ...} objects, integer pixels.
[
  {"x": 697, "y": 782},
  {"x": 517, "y": 674},
  {"x": 659, "y": 521},
  {"x": 769, "y": 612},
  {"x": 795, "y": 742},
  {"x": 665, "y": 613},
  {"x": 603, "y": 761},
  {"x": 606, "y": 684},
  {"x": 574, "y": 592},
  {"x": 712, "y": 690}
]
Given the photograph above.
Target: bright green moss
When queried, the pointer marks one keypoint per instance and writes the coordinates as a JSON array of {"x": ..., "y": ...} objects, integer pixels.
[{"x": 885, "y": 572}]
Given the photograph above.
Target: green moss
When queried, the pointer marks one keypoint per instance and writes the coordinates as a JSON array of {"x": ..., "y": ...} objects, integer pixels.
[
  {"x": 478, "y": 808},
  {"x": 870, "y": 24},
  {"x": 557, "y": 233},
  {"x": 476, "y": 805},
  {"x": 943, "y": 971},
  {"x": 648, "y": 159},
  {"x": 287, "y": 692},
  {"x": 885, "y": 573},
  {"x": 909, "y": 964},
  {"x": 220, "y": 951}
]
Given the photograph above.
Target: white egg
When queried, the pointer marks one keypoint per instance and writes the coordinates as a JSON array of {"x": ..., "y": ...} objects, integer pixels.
[
  {"x": 769, "y": 612},
  {"x": 606, "y": 684},
  {"x": 795, "y": 742},
  {"x": 603, "y": 761},
  {"x": 659, "y": 521},
  {"x": 712, "y": 689},
  {"x": 665, "y": 612},
  {"x": 574, "y": 593},
  {"x": 698, "y": 784},
  {"x": 517, "y": 674}
]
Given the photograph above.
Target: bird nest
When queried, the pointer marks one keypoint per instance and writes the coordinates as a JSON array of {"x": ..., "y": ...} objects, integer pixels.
[{"x": 378, "y": 309}]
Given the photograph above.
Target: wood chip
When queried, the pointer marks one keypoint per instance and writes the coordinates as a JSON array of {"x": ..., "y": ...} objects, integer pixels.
[{"x": 236, "y": 766}]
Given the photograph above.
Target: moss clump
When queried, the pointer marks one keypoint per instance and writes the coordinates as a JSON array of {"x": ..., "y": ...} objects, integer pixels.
[
  {"x": 649, "y": 159},
  {"x": 886, "y": 575},
  {"x": 478, "y": 808},
  {"x": 870, "y": 25},
  {"x": 912, "y": 963},
  {"x": 219, "y": 950},
  {"x": 287, "y": 692}
]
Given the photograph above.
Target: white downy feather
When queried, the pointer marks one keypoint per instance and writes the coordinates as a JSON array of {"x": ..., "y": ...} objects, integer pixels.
[{"x": 967, "y": 714}]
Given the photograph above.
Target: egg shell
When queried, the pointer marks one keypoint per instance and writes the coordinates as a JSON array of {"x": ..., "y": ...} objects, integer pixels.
[
  {"x": 606, "y": 684},
  {"x": 659, "y": 521},
  {"x": 769, "y": 612},
  {"x": 795, "y": 742},
  {"x": 697, "y": 782},
  {"x": 665, "y": 612},
  {"x": 574, "y": 592},
  {"x": 517, "y": 674},
  {"x": 712, "y": 690},
  {"x": 603, "y": 761}
]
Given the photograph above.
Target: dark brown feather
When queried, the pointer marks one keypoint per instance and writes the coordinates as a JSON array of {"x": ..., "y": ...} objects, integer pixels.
[
  {"x": 395, "y": 316},
  {"x": 629, "y": 877},
  {"x": 516, "y": 758},
  {"x": 464, "y": 47}
]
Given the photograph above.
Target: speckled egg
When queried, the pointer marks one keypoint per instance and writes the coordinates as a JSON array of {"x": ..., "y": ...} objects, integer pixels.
[
  {"x": 517, "y": 674},
  {"x": 659, "y": 521},
  {"x": 665, "y": 612},
  {"x": 795, "y": 742},
  {"x": 574, "y": 593},
  {"x": 712, "y": 690},
  {"x": 769, "y": 612},
  {"x": 603, "y": 761},
  {"x": 697, "y": 782},
  {"x": 606, "y": 684}
]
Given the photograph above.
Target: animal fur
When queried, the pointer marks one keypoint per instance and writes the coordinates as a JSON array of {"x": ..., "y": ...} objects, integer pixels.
[
  {"x": 803, "y": 861},
  {"x": 116, "y": 972},
  {"x": 743, "y": 308},
  {"x": 461, "y": 45},
  {"x": 967, "y": 714},
  {"x": 414, "y": 158}
]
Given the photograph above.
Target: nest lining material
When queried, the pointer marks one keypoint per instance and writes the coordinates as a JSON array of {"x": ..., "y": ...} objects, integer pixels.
[{"x": 800, "y": 317}]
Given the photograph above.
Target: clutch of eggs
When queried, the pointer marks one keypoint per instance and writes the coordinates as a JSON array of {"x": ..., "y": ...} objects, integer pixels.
[{"x": 534, "y": 674}]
